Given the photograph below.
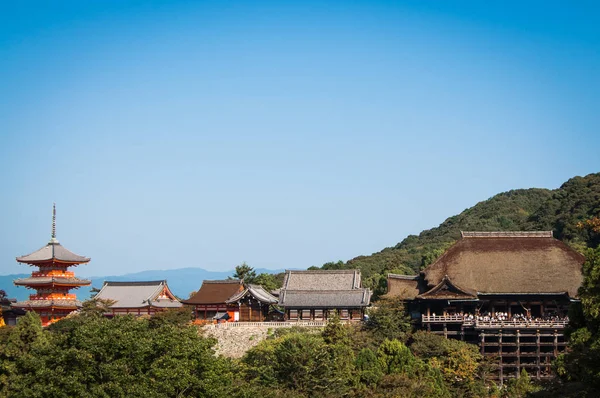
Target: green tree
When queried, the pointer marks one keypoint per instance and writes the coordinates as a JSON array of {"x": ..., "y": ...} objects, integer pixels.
[
  {"x": 582, "y": 362},
  {"x": 389, "y": 321},
  {"x": 245, "y": 272}
]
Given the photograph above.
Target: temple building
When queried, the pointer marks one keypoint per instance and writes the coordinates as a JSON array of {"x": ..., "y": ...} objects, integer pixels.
[
  {"x": 231, "y": 300},
  {"x": 508, "y": 292},
  {"x": 319, "y": 294},
  {"x": 210, "y": 302},
  {"x": 53, "y": 281},
  {"x": 137, "y": 298},
  {"x": 254, "y": 303}
]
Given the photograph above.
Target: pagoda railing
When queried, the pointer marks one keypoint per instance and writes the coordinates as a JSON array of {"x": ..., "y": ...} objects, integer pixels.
[
  {"x": 54, "y": 273},
  {"x": 57, "y": 296}
]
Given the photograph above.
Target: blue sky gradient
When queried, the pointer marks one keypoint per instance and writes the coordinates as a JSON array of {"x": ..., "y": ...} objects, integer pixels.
[{"x": 284, "y": 134}]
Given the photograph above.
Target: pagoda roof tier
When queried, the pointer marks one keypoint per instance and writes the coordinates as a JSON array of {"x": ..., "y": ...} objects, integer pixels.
[
  {"x": 68, "y": 304},
  {"x": 51, "y": 280},
  {"x": 53, "y": 251}
]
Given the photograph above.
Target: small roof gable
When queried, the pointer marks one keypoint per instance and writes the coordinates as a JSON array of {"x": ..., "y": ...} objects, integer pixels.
[
  {"x": 403, "y": 286},
  {"x": 255, "y": 291},
  {"x": 322, "y": 280},
  {"x": 446, "y": 290},
  {"x": 138, "y": 294},
  {"x": 215, "y": 292},
  {"x": 53, "y": 251},
  {"x": 509, "y": 263}
]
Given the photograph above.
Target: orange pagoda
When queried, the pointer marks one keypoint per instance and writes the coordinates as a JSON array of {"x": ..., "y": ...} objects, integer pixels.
[{"x": 52, "y": 300}]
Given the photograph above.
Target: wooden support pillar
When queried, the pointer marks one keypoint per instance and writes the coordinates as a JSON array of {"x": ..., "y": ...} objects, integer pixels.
[
  {"x": 482, "y": 343},
  {"x": 555, "y": 343},
  {"x": 518, "y": 353},
  {"x": 500, "y": 357},
  {"x": 445, "y": 330},
  {"x": 428, "y": 309},
  {"x": 537, "y": 343}
]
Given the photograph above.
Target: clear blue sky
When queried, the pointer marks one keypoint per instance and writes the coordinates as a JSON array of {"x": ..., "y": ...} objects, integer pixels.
[{"x": 284, "y": 134}]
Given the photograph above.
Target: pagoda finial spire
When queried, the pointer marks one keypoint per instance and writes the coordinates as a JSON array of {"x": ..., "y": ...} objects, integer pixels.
[{"x": 53, "y": 238}]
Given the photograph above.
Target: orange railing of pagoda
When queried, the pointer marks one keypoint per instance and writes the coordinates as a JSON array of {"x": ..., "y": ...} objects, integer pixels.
[
  {"x": 56, "y": 273},
  {"x": 53, "y": 296}
]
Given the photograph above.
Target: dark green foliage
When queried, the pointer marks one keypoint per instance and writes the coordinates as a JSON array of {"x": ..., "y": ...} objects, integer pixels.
[
  {"x": 120, "y": 357},
  {"x": 245, "y": 272},
  {"x": 519, "y": 388},
  {"x": 582, "y": 362},
  {"x": 389, "y": 321},
  {"x": 303, "y": 363},
  {"x": 368, "y": 367},
  {"x": 267, "y": 281}
]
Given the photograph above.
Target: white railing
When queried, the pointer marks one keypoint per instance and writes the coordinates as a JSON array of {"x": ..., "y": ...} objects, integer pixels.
[
  {"x": 442, "y": 318},
  {"x": 520, "y": 324},
  {"x": 226, "y": 325},
  {"x": 509, "y": 324}
]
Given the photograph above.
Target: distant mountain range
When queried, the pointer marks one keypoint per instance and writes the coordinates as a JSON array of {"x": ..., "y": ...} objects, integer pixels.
[{"x": 182, "y": 281}]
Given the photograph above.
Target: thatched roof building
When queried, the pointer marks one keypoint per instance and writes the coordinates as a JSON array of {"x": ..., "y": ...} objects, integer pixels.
[{"x": 499, "y": 263}]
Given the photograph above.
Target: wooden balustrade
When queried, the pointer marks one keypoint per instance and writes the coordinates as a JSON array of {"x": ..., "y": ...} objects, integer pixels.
[{"x": 494, "y": 324}]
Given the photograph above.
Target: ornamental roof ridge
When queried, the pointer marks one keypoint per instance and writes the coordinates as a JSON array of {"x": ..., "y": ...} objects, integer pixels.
[
  {"x": 506, "y": 234},
  {"x": 400, "y": 276}
]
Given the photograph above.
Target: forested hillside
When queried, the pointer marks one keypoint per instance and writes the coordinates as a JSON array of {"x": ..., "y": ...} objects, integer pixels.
[{"x": 559, "y": 210}]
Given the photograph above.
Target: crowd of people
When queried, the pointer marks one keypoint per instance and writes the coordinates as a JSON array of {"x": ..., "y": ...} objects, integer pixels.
[{"x": 514, "y": 318}]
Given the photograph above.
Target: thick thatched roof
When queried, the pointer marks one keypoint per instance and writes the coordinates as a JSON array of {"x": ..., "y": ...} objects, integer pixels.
[
  {"x": 403, "y": 286},
  {"x": 509, "y": 263},
  {"x": 447, "y": 290},
  {"x": 215, "y": 292},
  {"x": 138, "y": 294}
]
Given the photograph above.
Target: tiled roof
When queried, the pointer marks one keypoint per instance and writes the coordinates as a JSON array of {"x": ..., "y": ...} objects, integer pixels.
[
  {"x": 325, "y": 299},
  {"x": 322, "y": 280},
  {"x": 323, "y": 289},
  {"x": 137, "y": 294},
  {"x": 256, "y": 291},
  {"x": 215, "y": 292},
  {"x": 53, "y": 251},
  {"x": 47, "y": 280},
  {"x": 509, "y": 263}
]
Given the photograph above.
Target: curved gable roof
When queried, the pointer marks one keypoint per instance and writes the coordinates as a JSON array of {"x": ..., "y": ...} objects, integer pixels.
[
  {"x": 504, "y": 263},
  {"x": 137, "y": 294}
]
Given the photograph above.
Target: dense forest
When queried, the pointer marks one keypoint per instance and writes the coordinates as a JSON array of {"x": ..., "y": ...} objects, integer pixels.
[
  {"x": 165, "y": 356},
  {"x": 560, "y": 210}
]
